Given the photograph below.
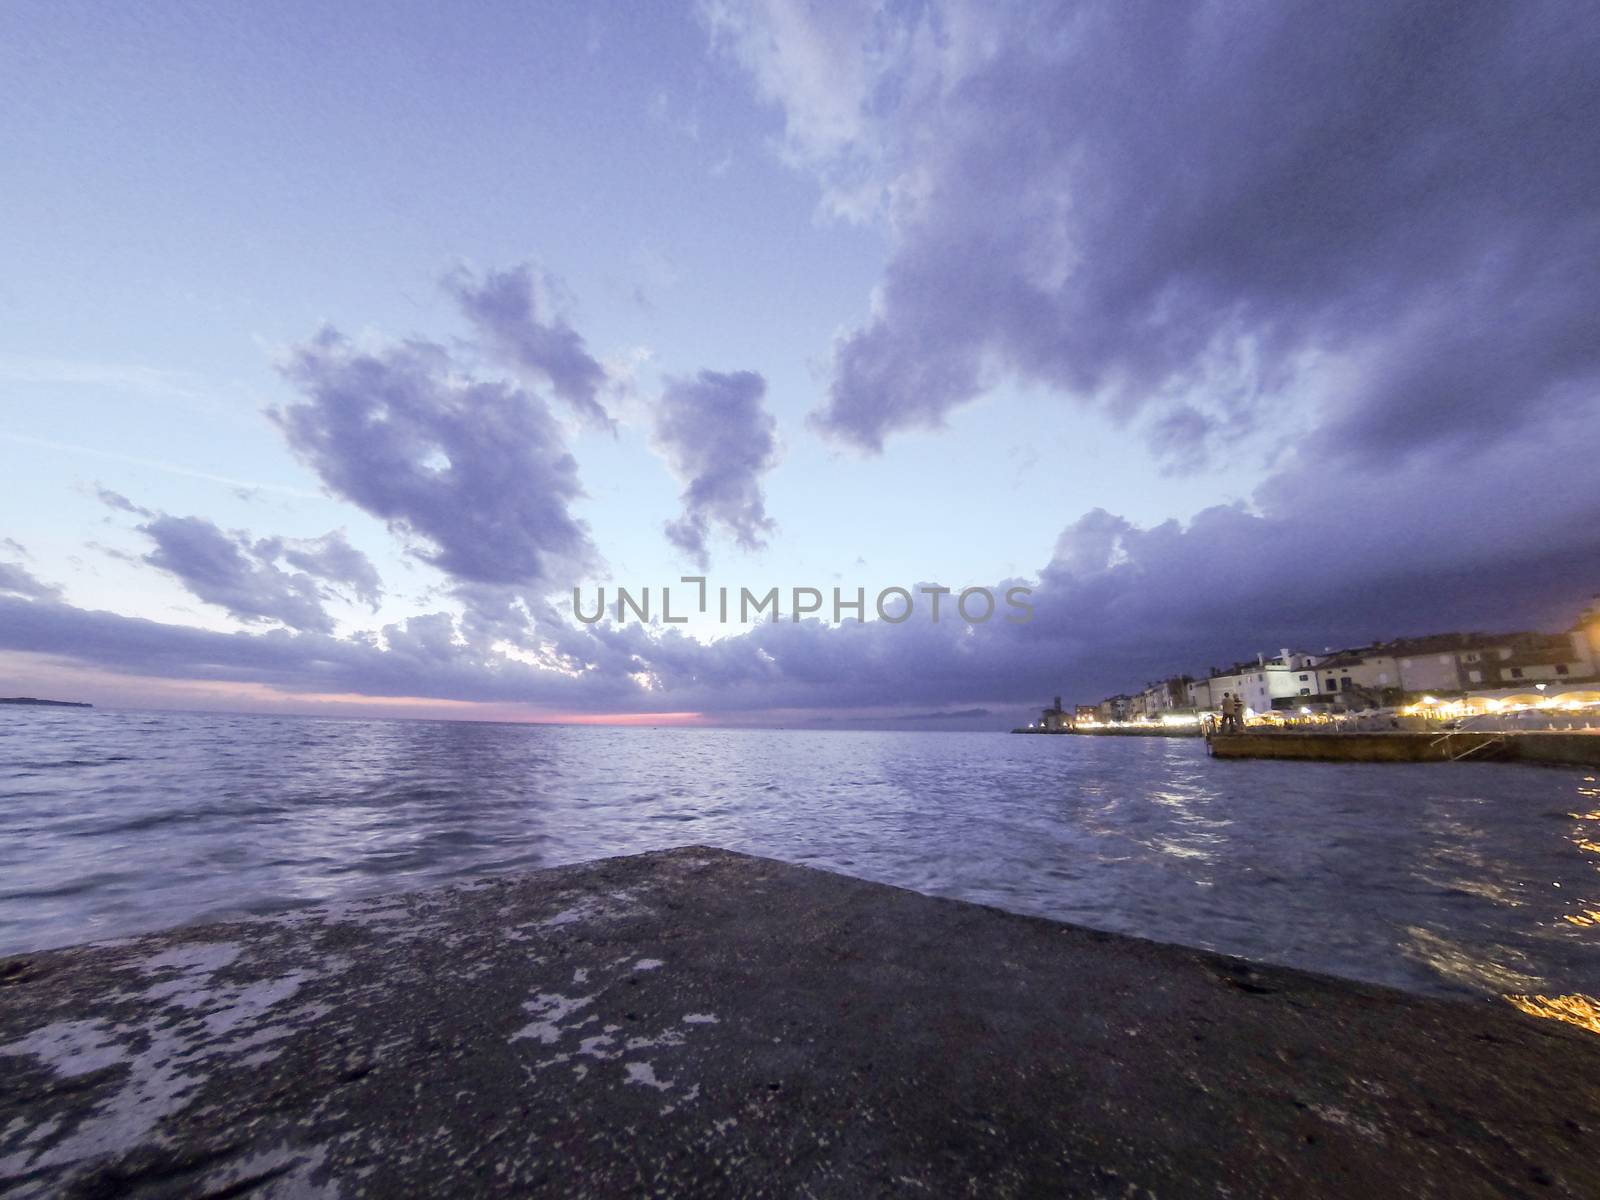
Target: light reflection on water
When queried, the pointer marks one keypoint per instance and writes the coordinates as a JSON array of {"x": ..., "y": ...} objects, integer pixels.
[{"x": 1451, "y": 879}]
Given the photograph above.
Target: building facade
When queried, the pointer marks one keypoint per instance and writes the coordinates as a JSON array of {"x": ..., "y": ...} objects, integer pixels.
[
  {"x": 1378, "y": 675},
  {"x": 1287, "y": 681}
]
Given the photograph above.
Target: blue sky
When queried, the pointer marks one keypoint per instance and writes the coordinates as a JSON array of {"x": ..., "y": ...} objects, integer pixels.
[{"x": 998, "y": 269}]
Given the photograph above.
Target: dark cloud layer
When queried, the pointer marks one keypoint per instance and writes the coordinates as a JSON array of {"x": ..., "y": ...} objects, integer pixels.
[
  {"x": 243, "y": 577},
  {"x": 1116, "y": 605},
  {"x": 476, "y": 472},
  {"x": 1203, "y": 213},
  {"x": 504, "y": 309},
  {"x": 717, "y": 436}
]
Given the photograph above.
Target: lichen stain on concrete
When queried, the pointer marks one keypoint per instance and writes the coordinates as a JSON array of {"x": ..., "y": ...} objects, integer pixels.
[
  {"x": 644, "y": 1073},
  {"x": 550, "y": 1010},
  {"x": 183, "y": 1027}
]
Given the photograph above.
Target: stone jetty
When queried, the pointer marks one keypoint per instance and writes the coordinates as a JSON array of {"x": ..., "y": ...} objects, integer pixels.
[
  {"x": 1552, "y": 748},
  {"x": 700, "y": 1022}
]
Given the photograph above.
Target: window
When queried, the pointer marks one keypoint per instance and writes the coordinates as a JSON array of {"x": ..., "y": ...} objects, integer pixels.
[
  {"x": 1516, "y": 672},
  {"x": 1561, "y": 668},
  {"x": 1305, "y": 691},
  {"x": 1302, "y": 680},
  {"x": 1475, "y": 676}
]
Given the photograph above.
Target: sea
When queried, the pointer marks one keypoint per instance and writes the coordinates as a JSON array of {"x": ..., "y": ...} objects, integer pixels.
[{"x": 1447, "y": 879}]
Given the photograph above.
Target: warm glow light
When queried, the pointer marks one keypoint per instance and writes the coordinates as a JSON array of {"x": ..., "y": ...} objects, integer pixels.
[
  {"x": 1576, "y": 1009},
  {"x": 660, "y": 718}
]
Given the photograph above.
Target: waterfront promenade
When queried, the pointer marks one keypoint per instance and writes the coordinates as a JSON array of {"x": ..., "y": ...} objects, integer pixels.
[{"x": 696, "y": 1021}]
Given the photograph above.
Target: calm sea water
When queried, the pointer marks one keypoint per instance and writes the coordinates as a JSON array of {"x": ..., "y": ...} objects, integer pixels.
[{"x": 1450, "y": 879}]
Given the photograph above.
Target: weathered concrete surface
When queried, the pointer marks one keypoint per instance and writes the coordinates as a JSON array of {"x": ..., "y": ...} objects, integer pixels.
[
  {"x": 1555, "y": 748},
  {"x": 699, "y": 1022},
  {"x": 1559, "y": 749}
]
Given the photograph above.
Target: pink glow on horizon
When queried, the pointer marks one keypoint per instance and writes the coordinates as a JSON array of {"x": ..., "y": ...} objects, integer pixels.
[
  {"x": 649, "y": 718},
  {"x": 57, "y": 679}
]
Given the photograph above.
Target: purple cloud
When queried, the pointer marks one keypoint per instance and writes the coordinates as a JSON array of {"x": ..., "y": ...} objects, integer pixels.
[
  {"x": 417, "y": 657},
  {"x": 242, "y": 576},
  {"x": 1200, "y": 215},
  {"x": 504, "y": 309},
  {"x": 718, "y": 438},
  {"x": 332, "y": 559},
  {"x": 476, "y": 472},
  {"x": 1312, "y": 563},
  {"x": 17, "y": 580},
  {"x": 116, "y": 500}
]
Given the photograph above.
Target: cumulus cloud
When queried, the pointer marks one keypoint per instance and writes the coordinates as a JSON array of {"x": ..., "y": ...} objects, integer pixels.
[
  {"x": 243, "y": 576},
  {"x": 717, "y": 437},
  {"x": 475, "y": 472},
  {"x": 330, "y": 558},
  {"x": 1203, "y": 215},
  {"x": 504, "y": 308},
  {"x": 820, "y": 66}
]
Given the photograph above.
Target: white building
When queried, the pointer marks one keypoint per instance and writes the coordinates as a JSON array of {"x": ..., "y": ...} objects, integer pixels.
[
  {"x": 1456, "y": 662},
  {"x": 1281, "y": 682},
  {"x": 1169, "y": 696},
  {"x": 1586, "y": 635},
  {"x": 1360, "y": 676}
]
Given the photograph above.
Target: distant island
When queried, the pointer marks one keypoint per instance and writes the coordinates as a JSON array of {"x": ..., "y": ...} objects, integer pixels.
[{"x": 44, "y": 703}]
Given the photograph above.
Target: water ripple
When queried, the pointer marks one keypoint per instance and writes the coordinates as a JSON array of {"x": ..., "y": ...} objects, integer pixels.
[{"x": 1450, "y": 879}]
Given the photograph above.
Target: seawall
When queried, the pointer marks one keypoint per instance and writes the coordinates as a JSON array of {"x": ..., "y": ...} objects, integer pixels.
[
  {"x": 700, "y": 1022},
  {"x": 1551, "y": 748},
  {"x": 1153, "y": 731}
]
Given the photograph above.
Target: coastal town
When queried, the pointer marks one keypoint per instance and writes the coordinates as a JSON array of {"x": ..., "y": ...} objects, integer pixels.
[{"x": 1445, "y": 675}]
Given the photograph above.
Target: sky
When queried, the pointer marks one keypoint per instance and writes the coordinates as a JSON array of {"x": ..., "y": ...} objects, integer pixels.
[{"x": 341, "y": 345}]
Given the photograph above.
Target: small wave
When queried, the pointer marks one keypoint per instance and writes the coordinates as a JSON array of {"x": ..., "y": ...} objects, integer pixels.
[
  {"x": 74, "y": 887},
  {"x": 65, "y": 764},
  {"x": 155, "y": 820}
]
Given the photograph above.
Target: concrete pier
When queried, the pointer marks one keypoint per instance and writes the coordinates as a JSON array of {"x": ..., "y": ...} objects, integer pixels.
[
  {"x": 1154, "y": 730},
  {"x": 1552, "y": 748},
  {"x": 700, "y": 1022}
]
